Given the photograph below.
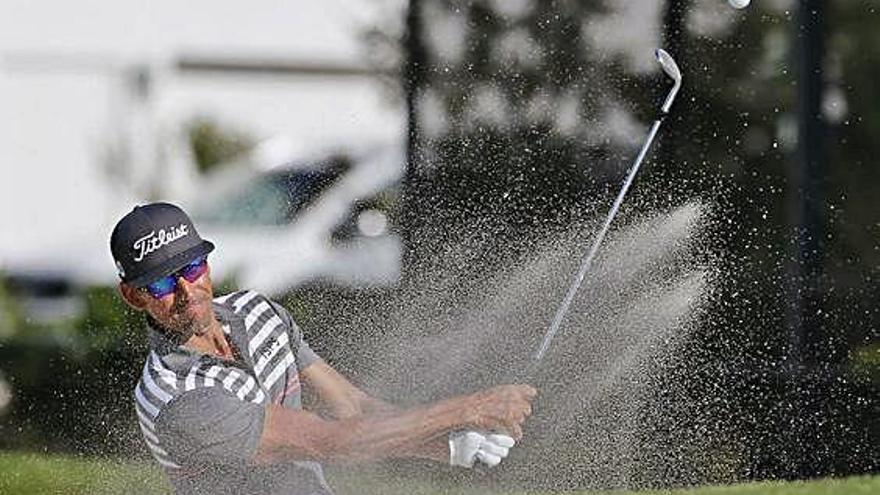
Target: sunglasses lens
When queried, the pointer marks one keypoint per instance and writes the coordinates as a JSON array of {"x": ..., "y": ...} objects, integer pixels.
[
  {"x": 162, "y": 287},
  {"x": 168, "y": 284},
  {"x": 194, "y": 270}
]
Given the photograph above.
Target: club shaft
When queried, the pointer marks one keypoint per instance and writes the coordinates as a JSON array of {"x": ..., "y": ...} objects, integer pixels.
[{"x": 588, "y": 259}]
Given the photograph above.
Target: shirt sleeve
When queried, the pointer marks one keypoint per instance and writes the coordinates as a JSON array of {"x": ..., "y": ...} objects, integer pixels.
[
  {"x": 209, "y": 426},
  {"x": 305, "y": 356}
]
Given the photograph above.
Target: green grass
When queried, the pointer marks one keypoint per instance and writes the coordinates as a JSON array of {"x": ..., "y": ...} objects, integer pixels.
[
  {"x": 22, "y": 473},
  {"x": 856, "y": 485}
]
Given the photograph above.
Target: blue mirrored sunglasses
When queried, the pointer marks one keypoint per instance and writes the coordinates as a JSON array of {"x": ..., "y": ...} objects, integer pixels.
[{"x": 168, "y": 284}]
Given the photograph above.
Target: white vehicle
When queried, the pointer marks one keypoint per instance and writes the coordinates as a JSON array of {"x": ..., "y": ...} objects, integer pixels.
[
  {"x": 276, "y": 226},
  {"x": 300, "y": 221}
]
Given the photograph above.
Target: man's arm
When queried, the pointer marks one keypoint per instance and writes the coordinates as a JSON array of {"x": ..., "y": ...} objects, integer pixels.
[
  {"x": 338, "y": 395},
  {"x": 420, "y": 432}
]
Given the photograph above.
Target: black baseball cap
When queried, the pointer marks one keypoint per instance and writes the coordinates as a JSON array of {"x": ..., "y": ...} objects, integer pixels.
[{"x": 155, "y": 240}]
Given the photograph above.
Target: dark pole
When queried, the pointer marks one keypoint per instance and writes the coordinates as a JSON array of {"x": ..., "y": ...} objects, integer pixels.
[
  {"x": 806, "y": 208},
  {"x": 413, "y": 81}
]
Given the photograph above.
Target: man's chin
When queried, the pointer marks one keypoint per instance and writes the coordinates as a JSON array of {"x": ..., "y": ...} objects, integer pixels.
[
  {"x": 191, "y": 321},
  {"x": 184, "y": 323},
  {"x": 180, "y": 332}
]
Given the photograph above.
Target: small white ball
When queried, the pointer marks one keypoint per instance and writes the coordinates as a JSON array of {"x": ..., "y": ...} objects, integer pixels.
[{"x": 739, "y": 4}]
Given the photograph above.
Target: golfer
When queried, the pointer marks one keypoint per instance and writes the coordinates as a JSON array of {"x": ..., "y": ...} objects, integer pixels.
[{"x": 219, "y": 401}]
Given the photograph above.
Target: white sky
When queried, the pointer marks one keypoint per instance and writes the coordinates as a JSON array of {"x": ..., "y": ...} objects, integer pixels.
[{"x": 128, "y": 27}]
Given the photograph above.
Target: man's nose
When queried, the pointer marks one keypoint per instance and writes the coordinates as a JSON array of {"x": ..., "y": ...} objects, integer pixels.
[{"x": 184, "y": 289}]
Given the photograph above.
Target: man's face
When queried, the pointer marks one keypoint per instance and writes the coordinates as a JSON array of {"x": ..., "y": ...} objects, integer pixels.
[{"x": 186, "y": 311}]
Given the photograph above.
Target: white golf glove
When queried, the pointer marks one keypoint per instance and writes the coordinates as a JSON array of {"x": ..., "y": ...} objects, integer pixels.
[{"x": 465, "y": 447}]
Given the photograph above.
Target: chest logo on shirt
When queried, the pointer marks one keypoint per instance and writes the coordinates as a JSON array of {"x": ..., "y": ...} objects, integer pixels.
[{"x": 269, "y": 350}]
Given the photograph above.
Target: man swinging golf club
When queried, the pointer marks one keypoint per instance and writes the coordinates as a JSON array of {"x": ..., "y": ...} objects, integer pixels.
[{"x": 219, "y": 399}]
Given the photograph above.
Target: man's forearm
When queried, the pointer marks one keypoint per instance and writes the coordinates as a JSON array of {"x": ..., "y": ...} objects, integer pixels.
[
  {"x": 434, "y": 450},
  {"x": 419, "y": 432},
  {"x": 370, "y": 405}
]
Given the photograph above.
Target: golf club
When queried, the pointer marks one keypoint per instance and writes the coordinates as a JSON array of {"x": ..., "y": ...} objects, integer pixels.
[{"x": 671, "y": 69}]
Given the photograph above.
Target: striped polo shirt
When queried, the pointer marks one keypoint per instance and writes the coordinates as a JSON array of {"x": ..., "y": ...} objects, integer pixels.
[{"x": 202, "y": 416}]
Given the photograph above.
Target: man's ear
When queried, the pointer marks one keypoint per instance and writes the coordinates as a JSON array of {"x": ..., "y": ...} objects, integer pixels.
[{"x": 132, "y": 296}]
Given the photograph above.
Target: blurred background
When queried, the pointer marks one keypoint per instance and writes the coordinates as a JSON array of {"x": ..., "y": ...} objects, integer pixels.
[{"x": 417, "y": 180}]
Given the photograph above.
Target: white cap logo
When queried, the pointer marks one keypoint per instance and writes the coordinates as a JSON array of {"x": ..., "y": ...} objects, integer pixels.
[{"x": 153, "y": 241}]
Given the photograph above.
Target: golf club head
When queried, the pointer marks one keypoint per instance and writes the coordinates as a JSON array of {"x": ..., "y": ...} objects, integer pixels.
[{"x": 671, "y": 69}]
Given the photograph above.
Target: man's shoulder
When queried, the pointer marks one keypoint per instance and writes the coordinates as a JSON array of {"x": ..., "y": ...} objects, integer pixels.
[
  {"x": 250, "y": 302},
  {"x": 239, "y": 300}
]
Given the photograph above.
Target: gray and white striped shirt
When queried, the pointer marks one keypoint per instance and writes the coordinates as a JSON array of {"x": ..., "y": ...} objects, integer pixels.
[{"x": 202, "y": 416}]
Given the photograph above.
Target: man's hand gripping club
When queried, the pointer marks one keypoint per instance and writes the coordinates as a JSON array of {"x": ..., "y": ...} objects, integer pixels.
[{"x": 501, "y": 409}]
